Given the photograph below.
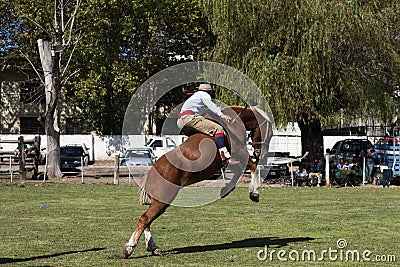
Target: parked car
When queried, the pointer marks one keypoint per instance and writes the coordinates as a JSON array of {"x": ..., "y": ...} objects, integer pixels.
[
  {"x": 274, "y": 169},
  {"x": 72, "y": 155},
  {"x": 388, "y": 153},
  {"x": 160, "y": 144},
  {"x": 348, "y": 149},
  {"x": 138, "y": 157}
]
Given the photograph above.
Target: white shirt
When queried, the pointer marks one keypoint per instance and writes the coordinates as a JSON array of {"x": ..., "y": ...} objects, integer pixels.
[{"x": 199, "y": 103}]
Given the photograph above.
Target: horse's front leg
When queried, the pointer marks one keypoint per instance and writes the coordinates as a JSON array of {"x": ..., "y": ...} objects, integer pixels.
[
  {"x": 255, "y": 182},
  {"x": 156, "y": 209},
  {"x": 133, "y": 241}
]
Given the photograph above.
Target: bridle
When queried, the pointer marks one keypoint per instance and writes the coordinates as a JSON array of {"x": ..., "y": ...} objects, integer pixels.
[
  {"x": 259, "y": 125},
  {"x": 257, "y": 151}
]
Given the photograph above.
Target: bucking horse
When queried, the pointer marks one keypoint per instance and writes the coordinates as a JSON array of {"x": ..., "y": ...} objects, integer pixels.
[{"x": 198, "y": 159}]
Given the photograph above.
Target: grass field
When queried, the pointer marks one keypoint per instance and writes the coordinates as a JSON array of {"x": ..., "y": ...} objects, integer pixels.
[{"x": 87, "y": 225}]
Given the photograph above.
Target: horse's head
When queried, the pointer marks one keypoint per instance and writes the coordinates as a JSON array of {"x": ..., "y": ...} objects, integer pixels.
[
  {"x": 255, "y": 121},
  {"x": 259, "y": 124}
]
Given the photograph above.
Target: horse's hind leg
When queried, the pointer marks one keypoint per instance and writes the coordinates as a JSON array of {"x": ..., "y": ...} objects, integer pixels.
[
  {"x": 150, "y": 244},
  {"x": 156, "y": 209}
]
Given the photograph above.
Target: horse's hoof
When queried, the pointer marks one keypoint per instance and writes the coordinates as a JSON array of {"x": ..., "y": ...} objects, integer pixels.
[
  {"x": 128, "y": 250},
  {"x": 255, "y": 197},
  {"x": 157, "y": 252}
]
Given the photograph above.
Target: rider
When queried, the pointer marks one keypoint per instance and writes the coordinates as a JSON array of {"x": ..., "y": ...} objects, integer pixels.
[{"x": 191, "y": 117}]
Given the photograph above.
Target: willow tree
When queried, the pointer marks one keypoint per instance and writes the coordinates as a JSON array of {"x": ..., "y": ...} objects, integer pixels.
[{"x": 317, "y": 62}]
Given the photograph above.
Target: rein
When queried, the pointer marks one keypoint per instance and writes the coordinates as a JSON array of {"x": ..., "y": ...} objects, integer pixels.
[{"x": 238, "y": 115}]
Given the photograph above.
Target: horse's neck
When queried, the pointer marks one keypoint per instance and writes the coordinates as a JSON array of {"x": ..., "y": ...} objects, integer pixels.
[{"x": 249, "y": 120}]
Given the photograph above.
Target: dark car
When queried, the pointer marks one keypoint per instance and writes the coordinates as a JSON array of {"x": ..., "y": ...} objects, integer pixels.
[
  {"x": 348, "y": 149},
  {"x": 274, "y": 169},
  {"x": 138, "y": 157},
  {"x": 72, "y": 156}
]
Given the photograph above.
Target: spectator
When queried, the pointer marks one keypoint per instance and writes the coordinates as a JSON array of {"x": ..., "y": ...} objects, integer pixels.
[
  {"x": 340, "y": 164},
  {"x": 316, "y": 169},
  {"x": 369, "y": 164},
  {"x": 302, "y": 175},
  {"x": 347, "y": 166}
]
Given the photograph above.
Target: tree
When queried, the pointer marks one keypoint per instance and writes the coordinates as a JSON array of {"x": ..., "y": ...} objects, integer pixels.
[
  {"x": 35, "y": 21},
  {"x": 122, "y": 44},
  {"x": 314, "y": 60},
  {"x": 125, "y": 43}
]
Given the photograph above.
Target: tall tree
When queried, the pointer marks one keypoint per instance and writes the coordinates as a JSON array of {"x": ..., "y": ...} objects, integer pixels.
[
  {"x": 52, "y": 26},
  {"x": 314, "y": 60}
]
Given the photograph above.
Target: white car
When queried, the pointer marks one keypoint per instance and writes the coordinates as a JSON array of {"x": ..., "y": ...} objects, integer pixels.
[{"x": 138, "y": 157}]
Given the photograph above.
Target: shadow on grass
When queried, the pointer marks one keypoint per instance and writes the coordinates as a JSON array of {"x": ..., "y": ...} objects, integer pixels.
[
  {"x": 245, "y": 243},
  {"x": 13, "y": 260}
]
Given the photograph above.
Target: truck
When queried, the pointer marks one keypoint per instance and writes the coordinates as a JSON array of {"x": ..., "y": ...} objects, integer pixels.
[
  {"x": 347, "y": 149},
  {"x": 388, "y": 153},
  {"x": 160, "y": 144}
]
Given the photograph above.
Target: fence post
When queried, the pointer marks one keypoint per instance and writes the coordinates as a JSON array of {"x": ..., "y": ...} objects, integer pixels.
[
  {"x": 82, "y": 170},
  {"x": 21, "y": 158},
  {"x": 327, "y": 171},
  {"x": 363, "y": 170},
  {"x": 129, "y": 176},
  {"x": 45, "y": 170},
  {"x": 116, "y": 169},
  {"x": 11, "y": 170}
]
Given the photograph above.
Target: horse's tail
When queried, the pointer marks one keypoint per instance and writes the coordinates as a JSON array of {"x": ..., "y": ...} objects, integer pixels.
[{"x": 144, "y": 197}]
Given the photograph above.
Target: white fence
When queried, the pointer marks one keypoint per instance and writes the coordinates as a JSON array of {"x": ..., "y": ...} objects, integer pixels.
[
  {"x": 100, "y": 147},
  {"x": 106, "y": 146}
]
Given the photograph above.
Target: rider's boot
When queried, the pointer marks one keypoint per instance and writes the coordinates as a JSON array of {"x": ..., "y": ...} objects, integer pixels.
[{"x": 225, "y": 155}]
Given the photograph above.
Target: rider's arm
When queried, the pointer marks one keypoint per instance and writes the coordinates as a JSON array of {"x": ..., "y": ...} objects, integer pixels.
[{"x": 206, "y": 99}]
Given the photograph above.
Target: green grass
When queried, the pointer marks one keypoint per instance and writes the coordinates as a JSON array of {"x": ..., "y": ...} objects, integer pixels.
[{"x": 87, "y": 225}]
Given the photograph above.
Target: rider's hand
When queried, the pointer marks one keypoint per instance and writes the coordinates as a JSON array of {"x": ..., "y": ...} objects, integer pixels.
[{"x": 226, "y": 118}]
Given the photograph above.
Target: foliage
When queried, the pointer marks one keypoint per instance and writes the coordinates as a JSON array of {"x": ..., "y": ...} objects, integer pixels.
[
  {"x": 313, "y": 58},
  {"x": 87, "y": 225},
  {"x": 122, "y": 43},
  {"x": 125, "y": 43},
  {"x": 319, "y": 63}
]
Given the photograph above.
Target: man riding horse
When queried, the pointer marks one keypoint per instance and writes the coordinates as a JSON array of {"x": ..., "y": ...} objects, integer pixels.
[
  {"x": 191, "y": 118},
  {"x": 197, "y": 158}
]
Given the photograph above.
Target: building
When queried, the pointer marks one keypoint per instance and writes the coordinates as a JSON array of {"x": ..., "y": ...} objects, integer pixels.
[{"x": 23, "y": 104}]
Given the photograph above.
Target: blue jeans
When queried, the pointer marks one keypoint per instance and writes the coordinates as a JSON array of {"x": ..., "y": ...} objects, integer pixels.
[{"x": 369, "y": 166}]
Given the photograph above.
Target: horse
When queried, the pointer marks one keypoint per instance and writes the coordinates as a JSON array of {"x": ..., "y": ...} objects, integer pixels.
[{"x": 195, "y": 160}]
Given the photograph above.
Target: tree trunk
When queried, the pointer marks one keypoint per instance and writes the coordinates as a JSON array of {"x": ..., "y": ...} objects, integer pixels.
[
  {"x": 312, "y": 139},
  {"x": 52, "y": 88}
]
